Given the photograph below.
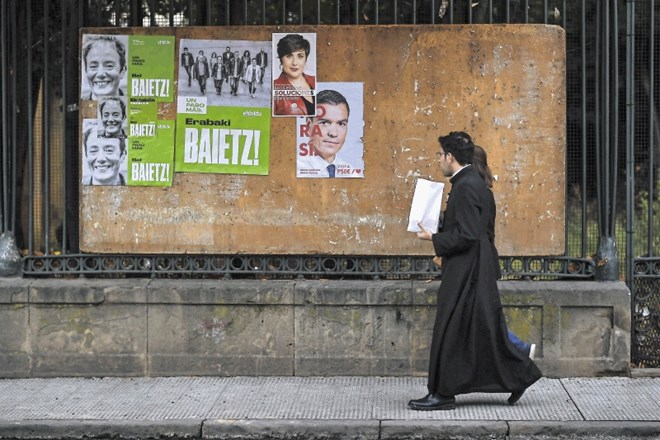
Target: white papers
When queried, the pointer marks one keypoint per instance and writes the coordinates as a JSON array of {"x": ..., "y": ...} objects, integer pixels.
[{"x": 426, "y": 205}]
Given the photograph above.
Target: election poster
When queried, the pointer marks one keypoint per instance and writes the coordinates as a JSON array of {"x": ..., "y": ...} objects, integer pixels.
[
  {"x": 294, "y": 74},
  {"x": 126, "y": 76},
  {"x": 103, "y": 158},
  {"x": 329, "y": 145},
  {"x": 223, "y": 107}
]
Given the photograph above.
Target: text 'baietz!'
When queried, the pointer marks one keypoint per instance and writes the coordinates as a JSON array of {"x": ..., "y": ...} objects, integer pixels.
[{"x": 222, "y": 146}]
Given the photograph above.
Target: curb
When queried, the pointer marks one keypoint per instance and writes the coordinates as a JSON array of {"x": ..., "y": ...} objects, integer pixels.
[
  {"x": 443, "y": 429},
  {"x": 278, "y": 429},
  {"x": 621, "y": 429},
  {"x": 291, "y": 429},
  {"x": 116, "y": 429}
]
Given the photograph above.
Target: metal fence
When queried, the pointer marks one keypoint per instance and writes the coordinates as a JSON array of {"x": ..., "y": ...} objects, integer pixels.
[{"x": 612, "y": 139}]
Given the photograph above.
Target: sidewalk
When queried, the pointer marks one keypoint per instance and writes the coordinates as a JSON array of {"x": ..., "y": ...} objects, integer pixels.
[{"x": 320, "y": 407}]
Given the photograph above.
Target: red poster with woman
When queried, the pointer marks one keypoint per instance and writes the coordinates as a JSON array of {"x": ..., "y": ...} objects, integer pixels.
[{"x": 294, "y": 74}]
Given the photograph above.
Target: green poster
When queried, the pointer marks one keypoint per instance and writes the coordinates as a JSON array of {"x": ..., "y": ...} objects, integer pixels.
[
  {"x": 233, "y": 140},
  {"x": 223, "y": 107},
  {"x": 150, "y": 87}
]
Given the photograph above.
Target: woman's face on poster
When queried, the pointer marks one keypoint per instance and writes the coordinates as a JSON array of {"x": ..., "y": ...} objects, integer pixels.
[
  {"x": 104, "y": 158},
  {"x": 112, "y": 118},
  {"x": 293, "y": 64},
  {"x": 104, "y": 69}
]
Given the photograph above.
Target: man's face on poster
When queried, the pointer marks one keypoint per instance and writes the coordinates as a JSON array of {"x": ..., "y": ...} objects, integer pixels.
[
  {"x": 112, "y": 117},
  {"x": 104, "y": 69},
  {"x": 104, "y": 157},
  {"x": 328, "y": 130}
]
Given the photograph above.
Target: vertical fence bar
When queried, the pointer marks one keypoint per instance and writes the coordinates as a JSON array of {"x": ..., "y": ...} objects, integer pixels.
[
  {"x": 171, "y": 13},
  {"x": 263, "y": 12},
  {"x": 605, "y": 100},
  {"x": 604, "y": 116},
  {"x": 597, "y": 147},
  {"x": 65, "y": 13},
  {"x": 5, "y": 140},
  {"x": 614, "y": 113},
  {"x": 117, "y": 13},
  {"x": 30, "y": 133},
  {"x": 14, "y": 121},
  {"x": 526, "y": 11},
  {"x": 152, "y": 14},
  {"x": 630, "y": 143},
  {"x": 583, "y": 105},
  {"x": 651, "y": 130},
  {"x": 135, "y": 13},
  {"x": 45, "y": 156}
]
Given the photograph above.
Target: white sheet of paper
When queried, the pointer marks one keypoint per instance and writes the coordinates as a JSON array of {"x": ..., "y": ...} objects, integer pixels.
[{"x": 426, "y": 205}]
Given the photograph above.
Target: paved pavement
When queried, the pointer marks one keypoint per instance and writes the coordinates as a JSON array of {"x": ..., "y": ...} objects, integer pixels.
[{"x": 320, "y": 407}]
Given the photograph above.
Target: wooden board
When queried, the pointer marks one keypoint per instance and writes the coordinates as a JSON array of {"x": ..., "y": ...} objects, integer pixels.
[{"x": 504, "y": 84}]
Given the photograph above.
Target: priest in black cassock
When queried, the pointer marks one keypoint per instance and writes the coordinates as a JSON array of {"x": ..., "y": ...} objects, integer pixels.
[{"x": 470, "y": 350}]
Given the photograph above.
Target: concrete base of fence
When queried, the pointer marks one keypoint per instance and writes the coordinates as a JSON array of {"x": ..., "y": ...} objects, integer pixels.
[{"x": 141, "y": 327}]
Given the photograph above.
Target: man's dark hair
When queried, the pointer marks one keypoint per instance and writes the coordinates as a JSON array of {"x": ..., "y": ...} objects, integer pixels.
[
  {"x": 104, "y": 101},
  {"x": 292, "y": 43},
  {"x": 332, "y": 97},
  {"x": 460, "y": 145},
  {"x": 119, "y": 47}
]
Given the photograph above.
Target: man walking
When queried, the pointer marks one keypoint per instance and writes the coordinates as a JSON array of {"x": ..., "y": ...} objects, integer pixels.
[
  {"x": 187, "y": 61},
  {"x": 235, "y": 72},
  {"x": 262, "y": 61},
  {"x": 470, "y": 350},
  {"x": 202, "y": 71}
]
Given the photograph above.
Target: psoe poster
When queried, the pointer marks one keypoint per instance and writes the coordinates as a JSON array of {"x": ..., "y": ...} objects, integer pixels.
[
  {"x": 223, "y": 117},
  {"x": 329, "y": 145}
]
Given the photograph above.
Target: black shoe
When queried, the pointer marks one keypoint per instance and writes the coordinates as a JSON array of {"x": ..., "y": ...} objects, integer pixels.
[
  {"x": 433, "y": 402},
  {"x": 515, "y": 396}
]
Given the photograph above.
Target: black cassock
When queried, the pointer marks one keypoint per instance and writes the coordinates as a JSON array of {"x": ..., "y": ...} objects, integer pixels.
[{"x": 470, "y": 350}]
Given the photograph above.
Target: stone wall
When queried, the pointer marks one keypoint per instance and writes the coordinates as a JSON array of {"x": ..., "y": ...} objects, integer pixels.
[{"x": 141, "y": 327}]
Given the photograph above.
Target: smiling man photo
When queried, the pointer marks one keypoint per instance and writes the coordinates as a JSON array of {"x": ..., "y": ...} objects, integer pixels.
[{"x": 326, "y": 134}]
